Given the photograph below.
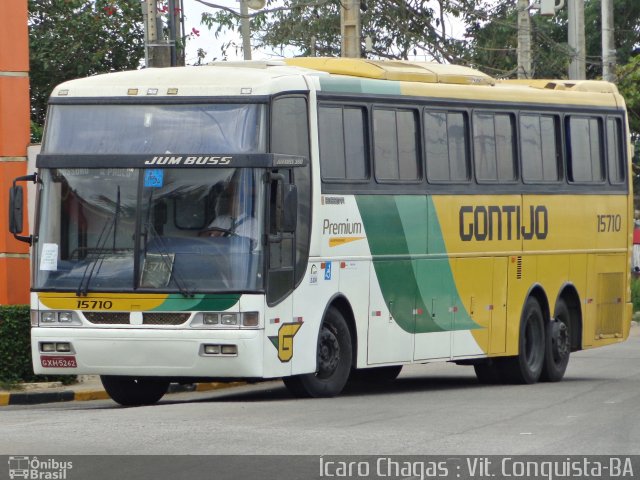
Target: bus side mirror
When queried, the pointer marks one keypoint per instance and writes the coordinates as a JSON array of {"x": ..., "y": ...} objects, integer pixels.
[
  {"x": 290, "y": 209},
  {"x": 16, "y": 208}
]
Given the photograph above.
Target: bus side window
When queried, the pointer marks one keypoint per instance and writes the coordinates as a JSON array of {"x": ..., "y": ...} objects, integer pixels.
[
  {"x": 290, "y": 135},
  {"x": 585, "y": 149},
  {"x": 540, "y": 152},
  {"x": 615, "y": 152}
]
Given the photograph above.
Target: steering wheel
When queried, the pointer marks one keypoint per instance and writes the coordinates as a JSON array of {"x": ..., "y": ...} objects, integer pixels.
[{"x": 224, "y": 231}]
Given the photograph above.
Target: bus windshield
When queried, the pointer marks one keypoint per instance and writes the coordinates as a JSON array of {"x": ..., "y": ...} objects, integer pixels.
[
  {"x": 156, "y": 129},
  {"x": 170, "y": 230}
]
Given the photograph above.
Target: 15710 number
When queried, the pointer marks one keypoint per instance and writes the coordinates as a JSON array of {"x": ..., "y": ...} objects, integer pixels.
[
  {"x": 95, "y": 304},
  {"x": 609, "y": 223}
]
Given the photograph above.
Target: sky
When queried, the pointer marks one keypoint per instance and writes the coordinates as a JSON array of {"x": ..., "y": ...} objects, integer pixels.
[{"x": 193, "y": 13}]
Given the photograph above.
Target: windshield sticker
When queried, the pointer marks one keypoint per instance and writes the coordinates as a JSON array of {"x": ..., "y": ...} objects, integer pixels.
[
  {"x": 154, "y": 178},
  {"x": 49, "y": 257},
  {"x": 156, "y": 270}
]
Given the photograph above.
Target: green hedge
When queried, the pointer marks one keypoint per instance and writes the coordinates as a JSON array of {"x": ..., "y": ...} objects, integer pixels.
[{"x": 15, "y": 348}]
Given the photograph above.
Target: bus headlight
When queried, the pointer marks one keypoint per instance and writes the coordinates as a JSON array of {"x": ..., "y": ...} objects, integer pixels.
[
  {"x": 226, "y": 320},
  {"x": 48, "y": 317},
  {"x": 52, "y": 318},
  {"x": 229, "y": 319},
  {"x": 65, "y": 317},
  {"x": 250, "y": 319}
]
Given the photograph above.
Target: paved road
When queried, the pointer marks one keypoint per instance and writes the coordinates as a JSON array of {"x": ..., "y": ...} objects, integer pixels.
[{"x": 434, "y": 409}]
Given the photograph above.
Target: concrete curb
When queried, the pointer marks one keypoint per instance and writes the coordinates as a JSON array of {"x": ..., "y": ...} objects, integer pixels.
[{"x": 34, "y": 398}]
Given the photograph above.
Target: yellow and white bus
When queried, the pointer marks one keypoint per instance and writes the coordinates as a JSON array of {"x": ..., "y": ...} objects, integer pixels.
[{"x": 323, "y": 219}]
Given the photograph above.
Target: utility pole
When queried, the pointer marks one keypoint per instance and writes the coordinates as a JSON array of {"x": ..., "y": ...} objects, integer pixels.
[
  {"x": 245, "y": 29},
  {"x": 608, "y": 46},
  {"x": 524, "y": 40},
  {"x": 350, "y": 28},
  {"x": 157, "y": 51},
  {"x": 577, "y": 68}
]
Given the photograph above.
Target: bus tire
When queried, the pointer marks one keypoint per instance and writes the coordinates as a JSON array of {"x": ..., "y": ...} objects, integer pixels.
[
  {"x": 557, "y": 344},
  {"x": 334, "y": 355},
  {"x": 526, "y": 367},
  {"x": 375, "y": 375},
  {"x": 488, "y": 373},
  {"x": 134, "y": 391}
]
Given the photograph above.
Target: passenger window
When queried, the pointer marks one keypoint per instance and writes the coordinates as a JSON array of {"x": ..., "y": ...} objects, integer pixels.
[
  {"x": 446, "y": 146},
  {"x": 395, "y": 136},
  {"x": 494, "y": 147},
  {"x": 585, "y": 150},
  {"x": 615, "y": 151},
  {"x": 540, "y": 148},
  {"x": 342, "y": 143}
]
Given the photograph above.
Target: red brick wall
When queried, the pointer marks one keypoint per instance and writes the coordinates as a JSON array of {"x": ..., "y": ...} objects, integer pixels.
[{"x": 14, "y": 139}]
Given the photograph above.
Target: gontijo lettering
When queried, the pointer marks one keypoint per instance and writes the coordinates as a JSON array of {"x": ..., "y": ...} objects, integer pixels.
[{"x": 493, "y": 222}]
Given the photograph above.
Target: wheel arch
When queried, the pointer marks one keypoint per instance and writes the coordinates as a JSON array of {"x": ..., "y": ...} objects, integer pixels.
[
  {"x": 340, "y": 302},
  {"x": 569, "y": 294},
  {"x": 536, "y": 291}
]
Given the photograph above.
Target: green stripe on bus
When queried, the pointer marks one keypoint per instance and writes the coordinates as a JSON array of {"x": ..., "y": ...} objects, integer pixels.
[
  {"x": 202, "y": 302},
  {"x": 359, "y": 85},
  {"x": 398, "y": 228}
]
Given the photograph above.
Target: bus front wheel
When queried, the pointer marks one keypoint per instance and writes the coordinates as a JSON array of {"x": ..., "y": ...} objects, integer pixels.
[
  {"x": 333, "y": 363},
  {"x": 526, "y": 367},
  {"x": 134, "y": 391}
]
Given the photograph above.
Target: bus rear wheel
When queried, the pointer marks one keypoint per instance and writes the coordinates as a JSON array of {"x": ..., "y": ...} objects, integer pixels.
[
  {"x": 333, "y": 360},
  {"x": 557, "y": 344},
  {"x": 526, "y": 367},
  {"x": 134, "y": 391}
]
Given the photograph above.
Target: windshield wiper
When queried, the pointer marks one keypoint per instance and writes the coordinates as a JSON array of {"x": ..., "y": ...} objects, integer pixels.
[
  {"x": 109, "y": 224},
  {"x": 162, "y": 250}
]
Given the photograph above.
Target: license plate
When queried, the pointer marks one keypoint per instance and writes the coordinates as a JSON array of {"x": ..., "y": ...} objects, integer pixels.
[{"x": 62, "y": 361}]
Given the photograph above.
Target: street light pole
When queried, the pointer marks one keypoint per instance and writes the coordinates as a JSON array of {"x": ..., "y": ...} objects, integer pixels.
[
  {"x": 577, "y": 67},
  {"x": 608, "y": 45},
  {"x": 524, "y": 40},
  {"x": 245, "y": 29},
  {"x": 350, "y": 28}
]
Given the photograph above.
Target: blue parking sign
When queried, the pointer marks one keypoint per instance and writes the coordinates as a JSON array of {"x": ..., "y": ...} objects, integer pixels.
[
  {"x": 154, "y": 177},
  {"x": 327, "y": 271}
]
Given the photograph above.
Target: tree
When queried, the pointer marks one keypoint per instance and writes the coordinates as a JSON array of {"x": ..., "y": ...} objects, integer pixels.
[
  {"x": 397, "y": 28},
  {"x": 78, "y": 38},
  {"x": 493, "y": 41},
  {"x": 629, "y": 86}
]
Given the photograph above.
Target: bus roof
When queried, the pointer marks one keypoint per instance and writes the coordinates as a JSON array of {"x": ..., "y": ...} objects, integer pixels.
[
  {"x": 340, "y": 75},
  {"x": 219, "y": 79}
]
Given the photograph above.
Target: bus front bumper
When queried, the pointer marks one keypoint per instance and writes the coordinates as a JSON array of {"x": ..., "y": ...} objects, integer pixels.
[{"x": 146, "y": 352}]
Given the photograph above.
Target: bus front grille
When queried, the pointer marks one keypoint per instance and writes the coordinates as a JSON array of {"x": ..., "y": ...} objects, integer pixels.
[
  {"x": 148, "y": 318},
  {"x": 107, "y": 318},
  {"x": 169, "y": 318}
]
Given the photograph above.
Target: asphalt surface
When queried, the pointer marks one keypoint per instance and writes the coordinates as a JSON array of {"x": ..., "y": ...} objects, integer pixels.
[{"x": 430, "y": 409}]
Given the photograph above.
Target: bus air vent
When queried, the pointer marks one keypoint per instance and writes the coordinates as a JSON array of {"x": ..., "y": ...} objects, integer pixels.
[
  {"x": 519, "y": 268},
  {"x": 164, "y": 318},
  {"x": 107, "y": 318}
]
